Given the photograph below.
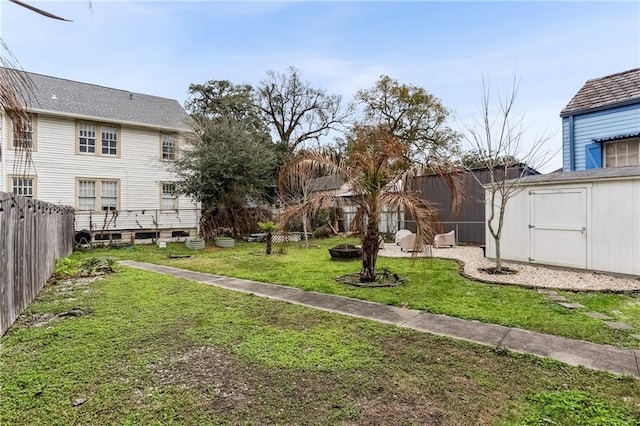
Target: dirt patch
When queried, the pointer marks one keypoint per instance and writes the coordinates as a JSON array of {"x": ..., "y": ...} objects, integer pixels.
[
  {"x": 208, "y": 369},
  {"x": 35, "y": 320},
  {"x": 400, "y": 412},
  {"x": 383, "y": 279},
  {"x": 494, "y": 271},
  {"x": 68, "y": 286}
]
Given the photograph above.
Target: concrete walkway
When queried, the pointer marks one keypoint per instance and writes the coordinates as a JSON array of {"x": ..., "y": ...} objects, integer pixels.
[{"x": 573, "y": 352}]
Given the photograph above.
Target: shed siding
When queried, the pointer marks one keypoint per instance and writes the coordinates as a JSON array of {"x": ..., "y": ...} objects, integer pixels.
[
  {"x": 596, "y": 125},
  {"x": 515, "y": 230},
  {"x": 615, "y": 228},
  {"x": 138, "y": 168},
  {"x": 613, "y": 225}
]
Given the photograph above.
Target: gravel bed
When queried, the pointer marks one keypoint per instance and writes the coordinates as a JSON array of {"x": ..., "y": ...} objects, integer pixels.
[{"x": 527, "y": 275}]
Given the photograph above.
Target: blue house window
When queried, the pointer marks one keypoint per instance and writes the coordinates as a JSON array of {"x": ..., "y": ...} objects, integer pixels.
[{"x": 622, "y": 153}]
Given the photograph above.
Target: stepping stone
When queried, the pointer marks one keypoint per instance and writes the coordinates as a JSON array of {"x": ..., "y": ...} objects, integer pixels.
[
  {"x": 619, "y": 325},
  {"x": 545, "y": 291},
  {"x": 571, "y": 305},
  {"x": 557, "y": 298},
  {"x": 597, "y": 315}
]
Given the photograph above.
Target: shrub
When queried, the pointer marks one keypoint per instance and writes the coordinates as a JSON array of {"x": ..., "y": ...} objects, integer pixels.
[{"x": 322, "y": 232}]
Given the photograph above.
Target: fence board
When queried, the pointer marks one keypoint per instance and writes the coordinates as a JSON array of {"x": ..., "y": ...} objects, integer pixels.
[{"x": 33, "y": 234}]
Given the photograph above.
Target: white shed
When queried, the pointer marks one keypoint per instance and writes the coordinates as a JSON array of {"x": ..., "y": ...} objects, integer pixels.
[{"x": 588, "y": 219}]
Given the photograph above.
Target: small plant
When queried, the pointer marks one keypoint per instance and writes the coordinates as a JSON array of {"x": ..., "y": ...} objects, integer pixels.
[
  {"x": 66, "y": 268},
  {"x": 72, "y": 268},
  {"x": 268, "y": 227},
  {"x": 98, "y": 265}
]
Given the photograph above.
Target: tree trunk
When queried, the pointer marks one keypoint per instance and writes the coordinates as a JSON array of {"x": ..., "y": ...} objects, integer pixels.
[
  {"x": 269, "y": 241},
  {"x": 498, "y": 258},
  {"x": 304, "y": 229},
  {"x": 370, "y": 245}
]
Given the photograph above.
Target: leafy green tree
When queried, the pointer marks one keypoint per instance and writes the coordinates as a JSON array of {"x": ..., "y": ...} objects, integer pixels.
[
  {"x": 227, "y": 167},
  {"x": 376, "y": 168},
  {"x": 477, "y": 159},
  {"x": 229, "y": 163},
  {"x": 223, "y": 99},
  {"x": 414, "y": 116}
]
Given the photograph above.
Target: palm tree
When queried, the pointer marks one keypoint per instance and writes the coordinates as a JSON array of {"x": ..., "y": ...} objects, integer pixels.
[
  {"x": 269, "y": 227},
  {"x": 376, "y": 167}
]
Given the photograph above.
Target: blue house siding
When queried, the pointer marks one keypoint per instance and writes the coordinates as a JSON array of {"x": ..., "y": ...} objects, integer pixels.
[
  {"x": 596, "y": 125},
  {"x": 566, "y": 151}
]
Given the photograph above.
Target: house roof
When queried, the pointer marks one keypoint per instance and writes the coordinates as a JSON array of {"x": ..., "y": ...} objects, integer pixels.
[
  {"x": 326, "y": 183},
  {"x": 83, "y": 100},
  {"x": 618, "y": 137},
  {"x": 608, "y": 91},
  {"x": 583, "y": 175}
]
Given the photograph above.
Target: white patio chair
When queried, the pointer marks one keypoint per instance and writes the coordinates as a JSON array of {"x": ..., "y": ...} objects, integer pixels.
[
  {"x": 401, "y": 234},
  {"x": 444, "y": 240}
]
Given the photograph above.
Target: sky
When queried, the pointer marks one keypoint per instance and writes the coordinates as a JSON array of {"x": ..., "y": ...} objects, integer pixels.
[{"x": 161, "y": 47}]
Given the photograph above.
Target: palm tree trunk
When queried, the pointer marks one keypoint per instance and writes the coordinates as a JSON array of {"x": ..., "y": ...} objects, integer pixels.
[
  {"x": 370, "y": 245},
  {"x": 269, "y": 241}
]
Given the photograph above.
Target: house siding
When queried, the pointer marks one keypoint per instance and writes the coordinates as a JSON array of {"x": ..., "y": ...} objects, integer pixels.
[
  {"x": 566, "y": 144},
  {"x": 597, "y": 125},
  {"x": 138, "y": 169}
]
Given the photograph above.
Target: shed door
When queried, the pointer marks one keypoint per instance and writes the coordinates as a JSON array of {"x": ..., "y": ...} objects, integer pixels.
[{"x": 558, "y": 227}]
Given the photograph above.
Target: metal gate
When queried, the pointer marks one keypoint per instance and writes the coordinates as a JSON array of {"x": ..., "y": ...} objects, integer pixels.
[{"x": 558, "y": 227}]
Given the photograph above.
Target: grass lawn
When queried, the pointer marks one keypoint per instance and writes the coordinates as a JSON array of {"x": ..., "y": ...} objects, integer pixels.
[
  {"x": 432, "y": 285},
  {"x": 143, "y": 348}
]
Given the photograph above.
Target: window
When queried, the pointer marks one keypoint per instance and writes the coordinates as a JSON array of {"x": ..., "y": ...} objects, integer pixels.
[
  {"x": 109, "y": 195},
  {"x": 98, "y": 194},
  {"x": 622, "y": 153},
  {"x": 86, "y": 195},
  {"x": 109, "y": 141},
  {"x": 169, "y": 146},
  {"x": 169, "y": 196},
  {"x": 23, "y": 131},
  {"x": 24, "y": 186},
  {"x": 88, "y": 137}
]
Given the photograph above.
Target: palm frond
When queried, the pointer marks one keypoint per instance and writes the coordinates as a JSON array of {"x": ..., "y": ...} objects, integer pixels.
[{"x": 40, "y": 11}]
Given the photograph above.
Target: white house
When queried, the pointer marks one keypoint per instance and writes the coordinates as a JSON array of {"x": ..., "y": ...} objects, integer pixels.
[
  {"x": 588, "y": 215},
  {"x": 105, "y": 152}
]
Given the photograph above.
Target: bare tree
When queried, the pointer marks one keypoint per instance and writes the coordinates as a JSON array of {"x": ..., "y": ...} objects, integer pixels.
[
  {"x": 500, "y": 143},
  {"x": 297, "y": 111},
  {"x": 297, "y": 183}
]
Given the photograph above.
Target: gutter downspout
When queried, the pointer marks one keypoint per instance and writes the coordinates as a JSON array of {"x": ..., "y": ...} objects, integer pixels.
[{"x": 572, "y": 156}]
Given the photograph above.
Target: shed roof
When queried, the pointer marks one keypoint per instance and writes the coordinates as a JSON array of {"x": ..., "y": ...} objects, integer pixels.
[
  {"x": 83, "y": 100},
  {"x": 610, "y": 90},
  {"x": 583, "y": 175}
]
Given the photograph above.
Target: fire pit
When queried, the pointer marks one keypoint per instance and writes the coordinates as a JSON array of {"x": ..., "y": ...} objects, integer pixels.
[{"x": 345, "y": 252}]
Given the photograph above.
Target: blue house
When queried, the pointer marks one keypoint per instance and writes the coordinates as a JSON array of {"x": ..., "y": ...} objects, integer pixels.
[{"x": 601, "y": 124}]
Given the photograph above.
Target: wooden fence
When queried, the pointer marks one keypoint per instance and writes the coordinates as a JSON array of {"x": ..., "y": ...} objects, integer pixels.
[{"x": 33, "y": 234}]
